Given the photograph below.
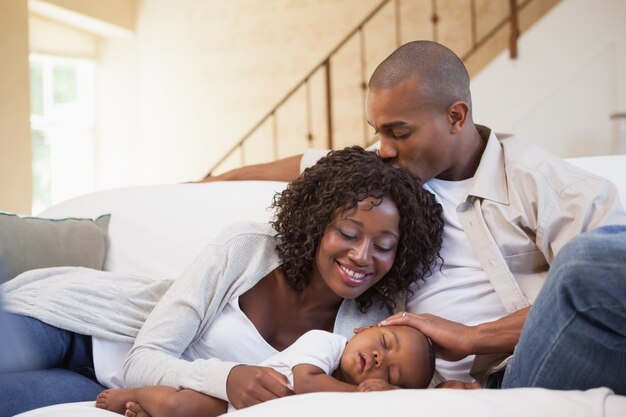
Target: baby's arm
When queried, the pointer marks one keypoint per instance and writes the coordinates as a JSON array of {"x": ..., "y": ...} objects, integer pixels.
[{"x": 310, "y": 378}]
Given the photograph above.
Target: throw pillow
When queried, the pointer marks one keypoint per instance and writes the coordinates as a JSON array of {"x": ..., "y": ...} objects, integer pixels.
[{"x": 32, "y": 242}]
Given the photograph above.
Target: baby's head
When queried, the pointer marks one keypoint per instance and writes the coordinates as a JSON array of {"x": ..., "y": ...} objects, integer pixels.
[{"x": 400, "y": 355}]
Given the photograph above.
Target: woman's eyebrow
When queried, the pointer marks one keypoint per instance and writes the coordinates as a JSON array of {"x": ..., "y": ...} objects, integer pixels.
[{"x": 358, "y": 223}]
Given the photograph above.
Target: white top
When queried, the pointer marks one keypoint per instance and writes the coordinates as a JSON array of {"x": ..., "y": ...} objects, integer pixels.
[
  {"x": 454, "y": 291},
  {"x": 231, "y": 328},
  {"x": 108, "y": 358},
  {"x": 316, "y": 347},
  {"x": 231, "y": 337}
]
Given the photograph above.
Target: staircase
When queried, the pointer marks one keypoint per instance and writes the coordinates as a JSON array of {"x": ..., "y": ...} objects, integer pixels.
[{"x": 326, "y": 109}]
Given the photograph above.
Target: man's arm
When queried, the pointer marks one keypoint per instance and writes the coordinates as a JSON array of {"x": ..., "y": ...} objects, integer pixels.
[
  {"x": 500, "y": 336},
  {"x": 454, "y": 341},
  {"x": 287, "y": 169},
  {"x": 310, "y": 378}
]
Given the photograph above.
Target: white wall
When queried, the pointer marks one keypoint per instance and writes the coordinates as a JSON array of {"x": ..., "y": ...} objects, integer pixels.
[
  {"x": 569, "y": 78},
  {"x": 15, "y": 139},
  {"x": 117, "y": 140},
  {"x": 189, "y": 87}
]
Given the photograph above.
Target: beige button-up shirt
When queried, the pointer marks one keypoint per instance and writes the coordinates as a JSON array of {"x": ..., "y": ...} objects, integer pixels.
[{"x": 523, "y": 205}]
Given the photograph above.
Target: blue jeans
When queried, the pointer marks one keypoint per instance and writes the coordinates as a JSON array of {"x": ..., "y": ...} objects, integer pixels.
[
  {"x": 575, "y": 334},
  {"x": 43, "y": 365}
]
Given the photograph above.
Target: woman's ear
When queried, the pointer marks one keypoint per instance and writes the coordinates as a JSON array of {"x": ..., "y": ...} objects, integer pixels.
[{"x": 457, "y": 115}]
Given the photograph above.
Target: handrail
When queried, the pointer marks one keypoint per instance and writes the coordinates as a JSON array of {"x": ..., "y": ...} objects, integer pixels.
[{"x": 325, "y": 63}]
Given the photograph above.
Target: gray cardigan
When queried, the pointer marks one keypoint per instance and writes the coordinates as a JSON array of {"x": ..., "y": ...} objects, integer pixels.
[{"x": 171, "y": 315}]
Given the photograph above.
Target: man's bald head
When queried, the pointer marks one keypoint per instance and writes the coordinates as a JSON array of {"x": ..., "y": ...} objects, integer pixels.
[{"x": 441, "y": 75}]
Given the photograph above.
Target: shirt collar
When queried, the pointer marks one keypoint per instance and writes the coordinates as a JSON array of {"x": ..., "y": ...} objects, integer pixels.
[{"x": 490, "y": 177}]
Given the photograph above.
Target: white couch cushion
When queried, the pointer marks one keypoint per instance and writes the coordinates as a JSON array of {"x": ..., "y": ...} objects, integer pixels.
[
  {"x": 612, "y": 167},
  {"x": 158, "y": 230}
]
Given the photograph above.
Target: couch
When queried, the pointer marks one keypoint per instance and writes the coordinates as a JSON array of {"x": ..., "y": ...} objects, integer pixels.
[{"x": 157, "y": 230}]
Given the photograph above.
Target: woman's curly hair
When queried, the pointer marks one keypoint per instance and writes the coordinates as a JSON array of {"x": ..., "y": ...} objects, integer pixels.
[{"x": 339, "y": 181}]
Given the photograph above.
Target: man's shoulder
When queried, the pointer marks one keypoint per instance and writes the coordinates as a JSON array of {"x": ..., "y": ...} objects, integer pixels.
[
  {"x": 520, "y": 154},
  {"x": 525, "y": 161},
  {"x": 514, "y": 151},
  {"x": 517, "y": 149}
]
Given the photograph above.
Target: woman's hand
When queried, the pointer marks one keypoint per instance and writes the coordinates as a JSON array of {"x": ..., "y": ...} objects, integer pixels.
[
  {"x": 250, "y": 385},
  {"x": 452, "y": 341},
  {"x": 375, "y": 384}
]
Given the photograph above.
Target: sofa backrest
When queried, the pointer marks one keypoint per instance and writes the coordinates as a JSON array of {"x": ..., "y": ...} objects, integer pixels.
[
  {"x": 158, "y": 230},
  {"x": 612, "y": 167}
]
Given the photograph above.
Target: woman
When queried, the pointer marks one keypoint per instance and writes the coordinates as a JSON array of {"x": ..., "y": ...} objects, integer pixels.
[{"x": 349, "y": 221}]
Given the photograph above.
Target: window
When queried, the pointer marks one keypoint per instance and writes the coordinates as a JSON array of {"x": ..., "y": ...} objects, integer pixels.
[{"x": 62, "y": 124}]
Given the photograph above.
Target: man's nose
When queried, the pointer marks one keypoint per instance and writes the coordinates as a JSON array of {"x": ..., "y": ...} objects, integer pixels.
[{"x": 386, "y": 150}]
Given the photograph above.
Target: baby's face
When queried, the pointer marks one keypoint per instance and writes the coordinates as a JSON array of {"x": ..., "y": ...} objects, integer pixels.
[{"x": 396, "y": 354}]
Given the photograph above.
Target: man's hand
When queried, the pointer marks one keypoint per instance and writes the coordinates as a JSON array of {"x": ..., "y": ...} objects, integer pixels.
[
  {"x": 452, "y": 341},
  {"x": 375, "y": 384},
  {"x": 250, "y": 385}
]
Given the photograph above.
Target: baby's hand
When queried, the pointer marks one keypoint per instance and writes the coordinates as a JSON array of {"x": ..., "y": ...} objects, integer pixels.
[{"x": 375, "y": 384}]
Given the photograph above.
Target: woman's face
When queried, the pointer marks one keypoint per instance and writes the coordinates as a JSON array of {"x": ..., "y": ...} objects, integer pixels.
[{"x": 358, "y": 247}]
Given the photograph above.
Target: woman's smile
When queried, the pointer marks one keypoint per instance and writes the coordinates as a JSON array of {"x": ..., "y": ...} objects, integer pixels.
[{"x": 353, "y": 277}]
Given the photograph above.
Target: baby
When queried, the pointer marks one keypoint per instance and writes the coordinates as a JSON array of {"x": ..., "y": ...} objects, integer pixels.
[{"x": 376, "y": 358}]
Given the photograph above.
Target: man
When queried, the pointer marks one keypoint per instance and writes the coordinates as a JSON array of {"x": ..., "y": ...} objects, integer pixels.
[{"x": 509, "y": 208}]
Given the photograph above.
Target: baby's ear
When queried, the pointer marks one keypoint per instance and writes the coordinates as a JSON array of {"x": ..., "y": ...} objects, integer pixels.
[{"x": 358, "y": 330}]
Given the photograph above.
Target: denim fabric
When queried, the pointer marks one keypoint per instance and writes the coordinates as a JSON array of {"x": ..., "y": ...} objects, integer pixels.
[
  {"x": 43, "y": 365},
  {"x": 575, "y": 334},
  {"x": 494, "y": 381}
]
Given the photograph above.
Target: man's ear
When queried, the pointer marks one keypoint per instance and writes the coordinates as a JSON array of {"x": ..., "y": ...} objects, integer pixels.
[
  {"x": 458, "y": 113},
  {"x": 358, "y": 330}
]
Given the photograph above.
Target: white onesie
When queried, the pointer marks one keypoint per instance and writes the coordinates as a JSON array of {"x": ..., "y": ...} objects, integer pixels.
[{"x": 315, "y": 347}]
